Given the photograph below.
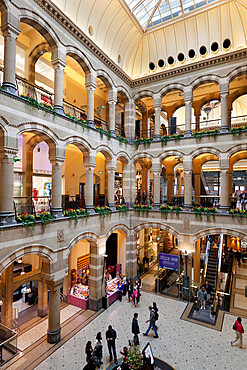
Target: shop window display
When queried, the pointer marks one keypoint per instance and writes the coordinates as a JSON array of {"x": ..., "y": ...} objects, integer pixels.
[{"x": 79, "y": 291}]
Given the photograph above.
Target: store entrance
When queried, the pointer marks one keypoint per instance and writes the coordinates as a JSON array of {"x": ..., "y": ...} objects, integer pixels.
[
  {"x": 111, "y": 252},
  {"x": 151, "y": 242}
]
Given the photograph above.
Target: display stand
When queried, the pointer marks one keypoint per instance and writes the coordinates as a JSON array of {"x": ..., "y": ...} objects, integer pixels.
[
  {"x": 78, "y": 302},
  {"x": 112, "y": 291}
]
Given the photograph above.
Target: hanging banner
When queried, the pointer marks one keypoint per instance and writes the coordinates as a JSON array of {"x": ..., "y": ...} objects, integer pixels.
[{"x": 168, "y": 261}]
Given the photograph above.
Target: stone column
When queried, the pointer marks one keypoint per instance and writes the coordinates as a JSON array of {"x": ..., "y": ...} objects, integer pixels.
[
  {"x": 89, "y": 188},
  {"x": 224, "y": 91},
  {"x": 156, "y": 204},
  {"x": 145, "y": 180},
  {"x": 58, "y": 66},
  {"x": 90, "y": 83},
  {"x": 129, "y": 121},
  {"x": 188, "y": 98},
  {"x": 7, "y": 215},
  {"x": 129, "y": 184},
  {"x": 197, "y": 185},
  {"x": 42, "y": 298},
  {"x": 197, "y": 262},
  {"x": 197, "y": 119},
  {"x": 112, "y": 100},
  {"x": 56, "y": 190},
  {"x": 111, "y": 187},
  {"x": 224, "y": 189},
  {"x": 187, "y": 188},
  {"x": 27, "y": 168},
  {"x": 54, "y": 328},
  {"x": 10, "y": 35},
  {"x": 131, "y": 258},
  {"x": 169, "y": 187},
  {"x": 96, "y": 278},
  {"x": 7, "y": 297},
  {"x": 157, "y": 109}
]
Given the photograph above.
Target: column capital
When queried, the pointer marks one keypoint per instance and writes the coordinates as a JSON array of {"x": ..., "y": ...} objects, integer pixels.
[
  {"x": 157, "y": 101},
  {"x": 58, "y": 63},
  {"x": 112, "y": 95},
  {"x": 10, "y": 30},
  {"x": 91, "y": 79},
  {"x": 188, "y": 94},
  {"x": 57, "y": 160},
  {"x": 6, "y": 152},
  {"x": 90, "y": 86},
  {"x": 224, "y": 86}
]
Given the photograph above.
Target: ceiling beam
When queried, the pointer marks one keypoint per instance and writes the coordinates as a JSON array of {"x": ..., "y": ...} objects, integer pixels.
[{"x": 152, "y": 14}]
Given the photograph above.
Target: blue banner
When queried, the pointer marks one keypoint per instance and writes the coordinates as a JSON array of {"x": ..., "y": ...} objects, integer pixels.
[{"x": 168, "y": 261}]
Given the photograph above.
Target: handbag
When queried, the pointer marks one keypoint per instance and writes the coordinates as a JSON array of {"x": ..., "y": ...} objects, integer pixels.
[{"x": 234, "y": 326}]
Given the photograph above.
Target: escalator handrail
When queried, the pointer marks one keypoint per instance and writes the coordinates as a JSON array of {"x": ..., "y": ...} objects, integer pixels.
[{"x": 206, "y": 258}]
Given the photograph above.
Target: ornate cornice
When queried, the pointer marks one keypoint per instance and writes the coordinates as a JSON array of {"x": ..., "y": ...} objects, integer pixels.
[{"x": 66, "y": 23}]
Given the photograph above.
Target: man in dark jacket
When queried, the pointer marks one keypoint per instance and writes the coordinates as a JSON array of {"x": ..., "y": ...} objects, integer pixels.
[
  {"x": 111, "y": 336},
  {"x": 135, "y": 329},
  {"x": 151, "y": 322}
]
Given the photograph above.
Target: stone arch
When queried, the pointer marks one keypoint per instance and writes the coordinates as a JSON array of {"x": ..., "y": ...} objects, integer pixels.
[
  {"x": 123, "y": 157},
  {"x": 38, "y": 249},
  {"x": 39, "y": 50},
  {"x": 117, "y": 227},
  {"x": 236, "y": 148},
  {"x": 170, "y": 153},
  {"x": 143, "y": 94},
  {"x": 106, "y": 151},
  {"x": 80, "y": 57},
  {"x": 43, "y": 131},
  {"x": 80, "y": 143},
  {"x": 124, "y": 94},
  {"x": 219, "y": 230},
  {"x": 144, "y": 155},
  {"x": 105, "y": 78},
  {"x": 206, "y": 150},
  {"x": 234, "y": 96},
  {"x": 89, "y": 236},
  {"x": 39, "y": 24},
  {"x": 158, "y": 225},
  {"x": 204, "y": 80},
  {"x": 236, "y": 73},
  {"x": 172, "y": 87}
]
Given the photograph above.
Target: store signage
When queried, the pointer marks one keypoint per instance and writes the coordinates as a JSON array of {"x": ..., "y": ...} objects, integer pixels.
[
  {"x": 46, "y": 99},
  {"x": 168, "y": 261}
]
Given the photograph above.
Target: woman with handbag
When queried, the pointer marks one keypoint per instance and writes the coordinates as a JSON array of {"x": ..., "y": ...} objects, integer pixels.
[{"x": 239, "y": 330}]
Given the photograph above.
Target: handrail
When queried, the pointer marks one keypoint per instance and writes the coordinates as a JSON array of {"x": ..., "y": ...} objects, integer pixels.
[{"x": 206, "y": 258}]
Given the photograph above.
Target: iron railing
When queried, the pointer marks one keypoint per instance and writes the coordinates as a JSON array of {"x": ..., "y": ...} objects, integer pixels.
[{"x": 31, "y": 205}]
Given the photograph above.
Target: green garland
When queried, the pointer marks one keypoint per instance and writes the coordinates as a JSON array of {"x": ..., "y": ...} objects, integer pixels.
[
  {"x": 103, "y": 211},
  {"x": 122, "y": 208},
  {"x": 238, "y": 212},
  {"x": 122, "y": 139},
  {"x": 199, "y": 210},
  {"x": 142, "y": 208},
  {"x": 34, "y": 103},
  {"x": 44, "y": 217},
  {"x": 146, "y": 141},
  {"x": 166, "y": 208},
  {"x": 76, "y": 213},
  {"x": 176, "y": 137},
  {"x": 199, "y": 134},
  {"x": 238, "y": 130},
  {"x": 27, "y": 220}
]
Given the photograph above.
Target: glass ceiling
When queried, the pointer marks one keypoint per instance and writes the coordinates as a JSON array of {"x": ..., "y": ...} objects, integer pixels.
[{"x": 150, "y": 13}]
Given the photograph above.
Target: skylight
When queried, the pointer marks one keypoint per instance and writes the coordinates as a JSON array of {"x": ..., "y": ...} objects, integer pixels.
[{"x": 150, "y": 13}]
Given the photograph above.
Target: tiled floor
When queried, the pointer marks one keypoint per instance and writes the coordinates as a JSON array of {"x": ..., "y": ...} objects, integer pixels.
[{"x": 182, "y": 344}]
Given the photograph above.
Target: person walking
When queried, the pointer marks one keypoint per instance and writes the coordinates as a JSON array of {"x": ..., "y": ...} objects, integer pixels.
[
  {"x": 120, "y": 290},
  {"x": 111, "y": 337},
  {"x": 98, "y": 349},
  {"x": 155, "y": 308},
  {"x": 151, "y": 322},
  {"x": 135, "y": 329},
  {"x": 125, "y": 285},
  {"x": 239, "y": 330},
  {"x": 129, "y": 289},
  {"x": 89, "y": 351}
]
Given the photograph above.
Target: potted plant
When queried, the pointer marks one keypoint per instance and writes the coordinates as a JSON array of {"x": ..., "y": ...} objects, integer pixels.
[{"x": 135, "y": 357}]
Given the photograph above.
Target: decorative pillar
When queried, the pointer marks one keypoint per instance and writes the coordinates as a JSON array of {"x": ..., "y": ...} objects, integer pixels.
[
  {"x": 111, "y": 186},
  {"x": 224, "y": 189},
  {"x": 197, "y": 186},
  {"x": 169, "y": 187},
  {"x": 43, "y": 298},
  {"x": 7, "y": 297},
  {"x": 188, "y": 98},
  {"x": 129, "y": 184},
  {"x": 89, "y": 187},
  {"x": 157, "y": 109},
  {"x": 156, "y": 204},
  {"x": 10, "y": 34},
  {"x": 56, "y": 190},
  {"x": 58, "y": 66},
  {"x": 90, "y": 83},
  {"x": 129, "y": 121},
  {"x": 7, "y": 215},
  {"x": 96, "y": 278},
  {"x": 187, "y": 188},
  {"x": 54, "y": 328},
  {"x": 224, "y": 91},
  {"x": 131, "y": 257}
]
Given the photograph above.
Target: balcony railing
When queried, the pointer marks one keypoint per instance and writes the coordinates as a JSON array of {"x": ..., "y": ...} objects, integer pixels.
[
  {"x": 31, "y": 205},
  {"x": 8, "y": 344}
]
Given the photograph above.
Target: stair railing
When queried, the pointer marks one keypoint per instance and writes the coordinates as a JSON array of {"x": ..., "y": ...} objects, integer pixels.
[
  {"x": 206, "y": 258},
  {"x": 217, "y": 276}
]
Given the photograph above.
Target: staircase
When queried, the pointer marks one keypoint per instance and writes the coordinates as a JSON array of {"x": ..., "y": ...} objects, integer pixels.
[
  {"x": 238, "y": 299},
  {"x": 211, "y": 268}
]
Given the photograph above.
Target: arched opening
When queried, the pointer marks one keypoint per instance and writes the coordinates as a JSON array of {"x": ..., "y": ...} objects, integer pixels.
[
  {"x": 154, "y": 244},
  {"x": 206, "y": 104},
  {"x": 74, "y": 177},
  {"x": 206, "y": 180},
  {"x": 172, "y": 181},
  {"x": 33, "y": 174},
  {"x": 122, "y": 100},
  {"x": 144, "y": 124},
  {"x": 219, "y": 259},
  {"x": 238, "y": 181},
  {"x": 104, "y": 181},
  {"x": 144, "y": 184},
  {"x": 171, "y": 101},
  {"x": 101, "y": 106},
  {"x": 120, "y": 181},
  {"x": 237, "y": 101}
]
